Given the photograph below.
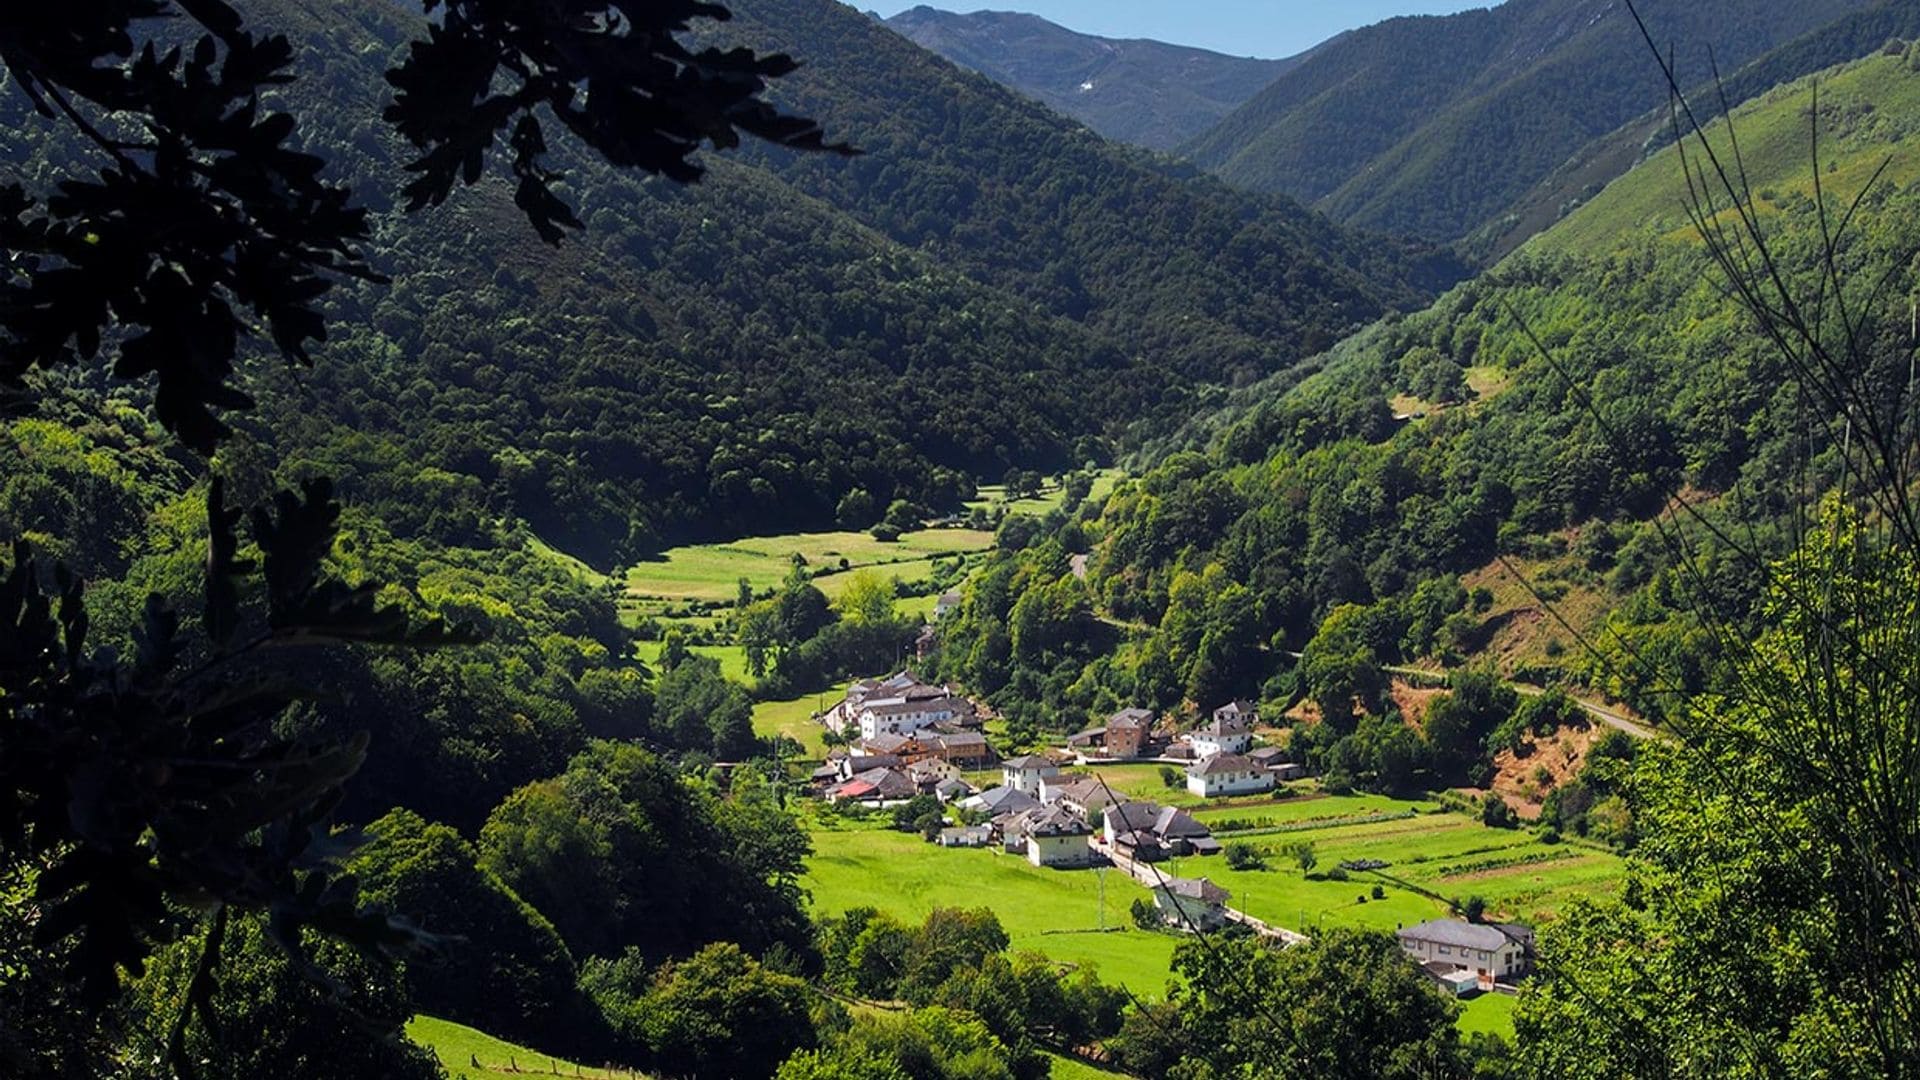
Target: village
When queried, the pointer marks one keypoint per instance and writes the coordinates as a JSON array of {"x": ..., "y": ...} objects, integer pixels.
[{"x": 903, "y": 739}]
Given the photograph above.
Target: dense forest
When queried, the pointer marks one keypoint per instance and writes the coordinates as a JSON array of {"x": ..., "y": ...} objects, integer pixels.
[{"x": 738, "y": 355}]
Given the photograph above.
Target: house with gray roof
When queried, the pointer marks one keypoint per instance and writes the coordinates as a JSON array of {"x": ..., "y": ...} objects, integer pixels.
[
  {"x": 1230, "y": 731},
  {"x": 1150, "y": 832},
  {"x": 1492, "y": 951},
  {"x": 1228, "y": 774},
  {"x": 1192, "y": 904},
  {"x": 1027, "y": 772},
  {"x": 1000, "y": 800},
  {"x": 1056, "y": 836}
]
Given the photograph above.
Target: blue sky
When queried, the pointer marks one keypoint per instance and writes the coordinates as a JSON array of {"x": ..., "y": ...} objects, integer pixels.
[{"x": 1271, "y": 28}]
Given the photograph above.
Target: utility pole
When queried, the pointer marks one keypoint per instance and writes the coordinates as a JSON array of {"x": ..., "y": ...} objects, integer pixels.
[{"x": 1100, "y": 875}]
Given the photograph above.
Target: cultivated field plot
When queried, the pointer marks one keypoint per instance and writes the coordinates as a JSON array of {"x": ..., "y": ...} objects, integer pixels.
[
  {"x": 1430, "y": 851},
  {"x": 712, "y": 572},
  {"x": 1052, "y": 912}
]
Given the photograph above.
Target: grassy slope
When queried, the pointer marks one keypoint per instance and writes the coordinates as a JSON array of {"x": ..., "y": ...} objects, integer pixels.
[
  {"x": 1868, "y": 112},
  {"x": 457, "y": 1046},
  {"x": 712, "y": 572},
  {"x": 1054, "y": 912}
]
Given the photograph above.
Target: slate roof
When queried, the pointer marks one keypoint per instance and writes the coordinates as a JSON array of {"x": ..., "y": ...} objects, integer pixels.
[
  {"x": 1165, "y": 822},
  {"x": 1131, "y": 718},
  {"x": 1028, "y": 761},
  {"x": 953, "y": 789},
  {"x": 1224, "y": 725},
  {"x": 1084, "y": 791},
  {"x": 1224, "y": 763},
  {"x": 1054, "y": 821},
  {"x": 1197, "y": 889},
  {"x": 1465, "y": 935},
  {"x": 957, "y": 739},
  {"x": 1006, "y": 800}
]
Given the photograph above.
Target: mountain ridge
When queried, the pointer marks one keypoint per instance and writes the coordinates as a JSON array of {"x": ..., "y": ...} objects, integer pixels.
[
  {"x": 1135, "y": 90},
  {"x": 1433, "y": 125}
]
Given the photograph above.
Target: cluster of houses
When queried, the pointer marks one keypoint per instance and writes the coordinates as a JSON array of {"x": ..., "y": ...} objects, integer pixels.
[
  {"x": 904, "y": 737},
  {"x": 1219, "y": 755},
  {"x": 1060, "y": 819}
]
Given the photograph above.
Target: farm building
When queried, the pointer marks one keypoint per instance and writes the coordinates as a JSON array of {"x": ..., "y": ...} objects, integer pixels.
[{"x": 1150, "y": 832}]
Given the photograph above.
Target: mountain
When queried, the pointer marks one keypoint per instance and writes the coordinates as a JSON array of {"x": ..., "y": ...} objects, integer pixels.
[
  {"x": 1215, "y": 285},
  {"x": 1517, "y": 442},
  {"x": 1590, "y": 170},
  {"x": 990, "y": 286},
  {"x": 1434, "y": 126},
  {"x": 1132, "y": 90}
]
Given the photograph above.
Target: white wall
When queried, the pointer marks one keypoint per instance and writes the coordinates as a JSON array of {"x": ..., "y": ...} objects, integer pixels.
[{"x": 1246, "y": 783}]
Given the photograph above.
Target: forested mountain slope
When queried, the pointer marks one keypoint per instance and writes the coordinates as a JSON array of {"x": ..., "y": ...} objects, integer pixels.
[
  {"x": 743, "y": 353},
  {"x": 1354, "y": 507},
  {"x": 1435, "y": 125},
  {"x": 1214, "y": 284},
  {"x": 1132, "y": 90}
]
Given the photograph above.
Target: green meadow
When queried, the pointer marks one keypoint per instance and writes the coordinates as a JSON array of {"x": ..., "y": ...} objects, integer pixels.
[
  {"x": 1054, "y": 912},
  {"x": 711, "y": 573},
  {"x": 458, "y": 1047},
  {"x": 1862, "y": 111},
  {"x": 1050, "y": 498},
  {"x": 794, "y": 719},
  {"x": 1444, "y": 854}
]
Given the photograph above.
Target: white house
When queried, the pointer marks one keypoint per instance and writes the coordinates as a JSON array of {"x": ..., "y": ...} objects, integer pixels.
[
  {"x": 1194, "y": 904},
  {"x": 1492, "y": 951},
  {"x": 1027, "y": 773},
  {"x": 1229, "y": 732},
  {"x": 1057, "y": 836},
  {"x": 1228, "y": 774}
]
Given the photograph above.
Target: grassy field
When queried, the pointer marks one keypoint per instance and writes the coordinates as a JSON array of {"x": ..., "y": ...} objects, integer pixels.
[
  {"x": 1053, "y": 912},
  {"x": 1488, "y": 1012},
  {"x": 1862, "y": 106},
  {"x": 794, "y": 719},
  {"x": 458, "y": 1047},
  {"x": 733, "y": 658},
  {"x": 1442, "y": 853},
  {"x": 712, "y": 572},
  {"x": 1050, "y": 499}
]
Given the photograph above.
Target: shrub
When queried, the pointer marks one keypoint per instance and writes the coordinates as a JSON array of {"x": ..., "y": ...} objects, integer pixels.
[
  {"x": 1244, "y": 857},
  {"x": 886, "y": 533},
  {"x": 1379, "y": 892}
]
